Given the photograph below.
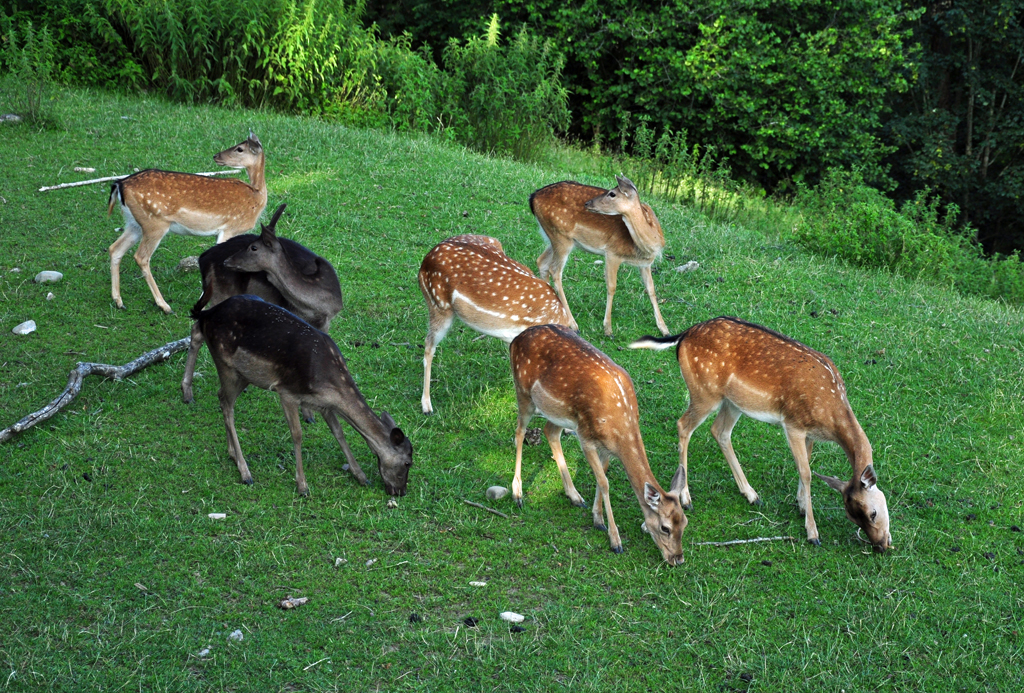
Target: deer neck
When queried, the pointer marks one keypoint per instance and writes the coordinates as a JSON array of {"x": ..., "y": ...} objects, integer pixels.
[
  {"x": 292, "y": 283},
  {"x": 257, "y": 181},
  {"x": 856, "y": 445},
  {"x": 645, "y": 230},
  {"x": 633, "y": 456}
]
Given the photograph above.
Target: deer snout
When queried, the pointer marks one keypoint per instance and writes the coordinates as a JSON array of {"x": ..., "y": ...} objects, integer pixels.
[
  {"x": 885, "y": 544},
  {"x": 674, "y": 560}
]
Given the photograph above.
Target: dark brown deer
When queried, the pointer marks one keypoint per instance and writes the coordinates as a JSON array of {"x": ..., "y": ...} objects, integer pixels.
[
  {"x": 256, "y": 342},
  {"x": 471, "y": 278},
  {"x": 739, "y": 368},
  {"x": 570, "y": 383},
  {"x": 278, "y": 270},
  {"x": 613, "y": 223},
  {"x": 154, "y": 202}
]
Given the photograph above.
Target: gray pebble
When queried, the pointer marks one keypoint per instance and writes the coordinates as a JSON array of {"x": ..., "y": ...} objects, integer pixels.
[
  {"x": 496, "y": 493},
  {"x": 25, "y": 327},
  {"x": 48, "y": 276}
]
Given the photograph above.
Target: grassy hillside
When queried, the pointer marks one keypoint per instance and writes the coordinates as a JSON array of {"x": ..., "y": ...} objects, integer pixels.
[{"x": 112, "y": 575}]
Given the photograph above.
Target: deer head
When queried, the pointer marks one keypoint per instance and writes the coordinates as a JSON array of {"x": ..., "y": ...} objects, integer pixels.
[
  {"x": 865, "y": 505},
  {"x": 665, "y": 521},
  {"x": 393, "y": 463}
]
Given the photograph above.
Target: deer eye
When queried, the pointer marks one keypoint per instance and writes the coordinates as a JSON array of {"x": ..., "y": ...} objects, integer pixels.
[
  {"x": 611, "y": 194},
  {"x": 874, "y": 513},
  {"x": 253, "y": 248},
  {"x": 239, "y": 149},
  {"x": 665, "y": 530}
]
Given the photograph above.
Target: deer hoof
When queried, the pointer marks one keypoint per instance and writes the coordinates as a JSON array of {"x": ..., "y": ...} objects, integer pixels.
[
  {"x": 617, "y": 549},
  {"x": 815, "y": 541},
  {"x": 247, "y": 481},
  {"x": 578, "y": 502},
  {"x": 602, "y": 527}
]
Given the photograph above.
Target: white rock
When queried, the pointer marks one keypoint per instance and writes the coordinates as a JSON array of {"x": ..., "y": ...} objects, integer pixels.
[
  {"x": 392, "y": 503},
  {"x": 189, "y": 264},
  {"x": 496, "y": 493},
  {"x": 338, "y": 562},
  {"x": 236, "y": 635},
  {"x": 371, "y": 562},
  {"x": 217, "y": 516},
  {"x": 478, "y": 583},
  {"x": 203, "y": 652},
  {"x": 48, "y": 276},
  {"x": 15, "y": 270},
  {"x": 50, "y": 296},
  {"x": 689, "y": 266},
  {"x": 10, "y": 118},
  {"x": 512, "y": 617},
  {"x": 598, "y": 262},
  {"x": 25, "y": 327}
]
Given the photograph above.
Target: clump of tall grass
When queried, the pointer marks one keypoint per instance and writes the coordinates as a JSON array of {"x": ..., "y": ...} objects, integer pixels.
[{"x": 26, "y": 70}]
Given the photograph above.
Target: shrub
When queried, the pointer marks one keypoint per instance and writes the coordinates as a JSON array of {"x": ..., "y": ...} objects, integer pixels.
[{"x": 504, "y": 99}]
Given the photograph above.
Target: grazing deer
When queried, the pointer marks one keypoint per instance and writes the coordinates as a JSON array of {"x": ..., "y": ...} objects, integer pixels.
[
  {"x": 566, "y": 380},
  {"x": 154, "y": 202},
  {"x": 741, "y": 368},
  {"x": 256, "y": 342},
  {"x": 278, "y": 270},
  {"x": 472, "y": 278},
  {"x": 613, "y": 223}
]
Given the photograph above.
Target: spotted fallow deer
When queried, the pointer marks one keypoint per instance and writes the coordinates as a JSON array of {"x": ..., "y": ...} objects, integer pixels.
[
  {"x": 154, "y": 202},
  {"x": 740, "y": 368},
  {"x": 278, "y": 270},
  {"x": 471, "y": 277},
  {"x": 613, "y": 223},
  {"x": 256, "y": 342},
  {"x": 574, "y": 386}
]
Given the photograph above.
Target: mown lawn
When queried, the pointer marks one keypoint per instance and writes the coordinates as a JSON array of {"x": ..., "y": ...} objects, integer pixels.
[{"x": 112, "y": 575}]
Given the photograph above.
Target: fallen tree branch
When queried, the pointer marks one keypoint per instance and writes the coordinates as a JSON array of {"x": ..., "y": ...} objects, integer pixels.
[
  {"x": 83, "y": 369},
  {"x": 743, "y": 541},
  {"x": 484, "y": 507},
  {"x": 108, "y": 178}
]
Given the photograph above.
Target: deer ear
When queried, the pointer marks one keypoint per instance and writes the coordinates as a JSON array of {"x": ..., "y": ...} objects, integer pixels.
[
  {"x": 397, "y": 436},
  {"x": 267, "y": 235},
  {"x": 868, "y": 478},
  {"x": 388, "y": 421},
  {"x": 837, "y": 484},
  {"x": 651, "y": 496},
  {"x": 254, "y": 139},
  {"x": 625, "y": 184}
]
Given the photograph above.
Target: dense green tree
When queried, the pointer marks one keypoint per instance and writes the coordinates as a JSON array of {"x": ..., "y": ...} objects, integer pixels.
[{"x": 960, "y": 129}]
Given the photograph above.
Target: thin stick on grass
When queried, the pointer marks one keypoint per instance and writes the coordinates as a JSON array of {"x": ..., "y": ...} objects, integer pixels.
[
  {"x": 484, "y": 507},
  {"x": 742, "y": 541},
  {"x": 78, "y": 375},
  {"x": 109, "y": 178}
]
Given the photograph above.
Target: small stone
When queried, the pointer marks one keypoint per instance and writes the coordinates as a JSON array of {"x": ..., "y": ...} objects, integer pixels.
[
  {"x": 496, "y": 493},
  {"x": 477, "y": 583},
  {"x": 371, "y": 562},
  {"x": 25, "y": 328},
  {"x": 15, "y": 270},
  {"x": 50, "y": 296},
  {"x": 189, "y": 264},
  {"x": 517, "y": 629},
  {"x": 291, "y": 602},
  {"x": 512, "y": 617},
  {"x": 392, "y": 504},
  {"x": 217, "y": 516},
  {"x": 48, "y": 276},
  {"x": 688, "y": 267},
  {"x": 236, "y": 635},
  {"x": 10, "y": 118},
  {"x": 338, "y": 562},
  {"x": 534, "y": 436},
  {"x": 471, "y": 622},
  {"x": 203, "y": 652}
]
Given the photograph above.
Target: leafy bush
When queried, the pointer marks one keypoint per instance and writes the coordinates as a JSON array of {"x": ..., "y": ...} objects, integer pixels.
[
  {"x": 27, "y": 58},
  {"x": 847, "y": 218},
  {"x": 504, "y": 99}
]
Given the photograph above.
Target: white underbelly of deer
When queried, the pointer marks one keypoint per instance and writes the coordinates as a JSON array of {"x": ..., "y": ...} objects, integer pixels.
[
  {"x": 183, "y": 230},
  {"x": 463, "y": 305},
  {"x": 551, "y": 408}
]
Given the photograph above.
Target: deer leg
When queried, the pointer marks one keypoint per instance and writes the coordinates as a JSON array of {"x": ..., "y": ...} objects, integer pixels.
[
  {"x": 552, "y": 261},
  {"x": 291, "y": 415},
  {"x": 554, "y": 435},
  {"x": 231, "y": 384},
  {"x": 132, "y": 234},
  {"x": 798, "y": 444},
  {"x": 598, "y": 464},
  {"x": 692, "y": 418},
  {"x": 438, "y": 324},
  {"x": 194, "y": 345},
  {"x": 526, "y": 411},
  {"x": 148, "y": 246},
  {"x": 611, "y": 278},
  {"x": 648, "y": 281},
  {"x": 721, "y": 429},
  {"x": 339, "y": 435},
  {"x": 800, "y": 486}
]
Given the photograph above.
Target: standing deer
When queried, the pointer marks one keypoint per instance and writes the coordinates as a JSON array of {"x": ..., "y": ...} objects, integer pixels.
[
  {"x": 256, "y": 342},
  {"x": 472, "y": 278},
  {"x": 740, "y": 368},
  {"x": 154, "y": 202},
  {"x": 278, "y": 270},
  {"x": 613, "y": 223},
  {"x": 570, "y": 383}
]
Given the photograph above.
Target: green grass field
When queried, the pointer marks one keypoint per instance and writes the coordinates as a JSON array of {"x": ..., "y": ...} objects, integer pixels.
[{"x": 113, "y": 577}]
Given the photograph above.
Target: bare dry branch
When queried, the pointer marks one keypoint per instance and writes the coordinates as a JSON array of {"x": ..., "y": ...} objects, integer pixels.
[
  {"x": 78, "y": 375},
  {"x": 109, "y": 178},
  {"x": 484, "y": 507},
  {"x": 742, "y": 541}
]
